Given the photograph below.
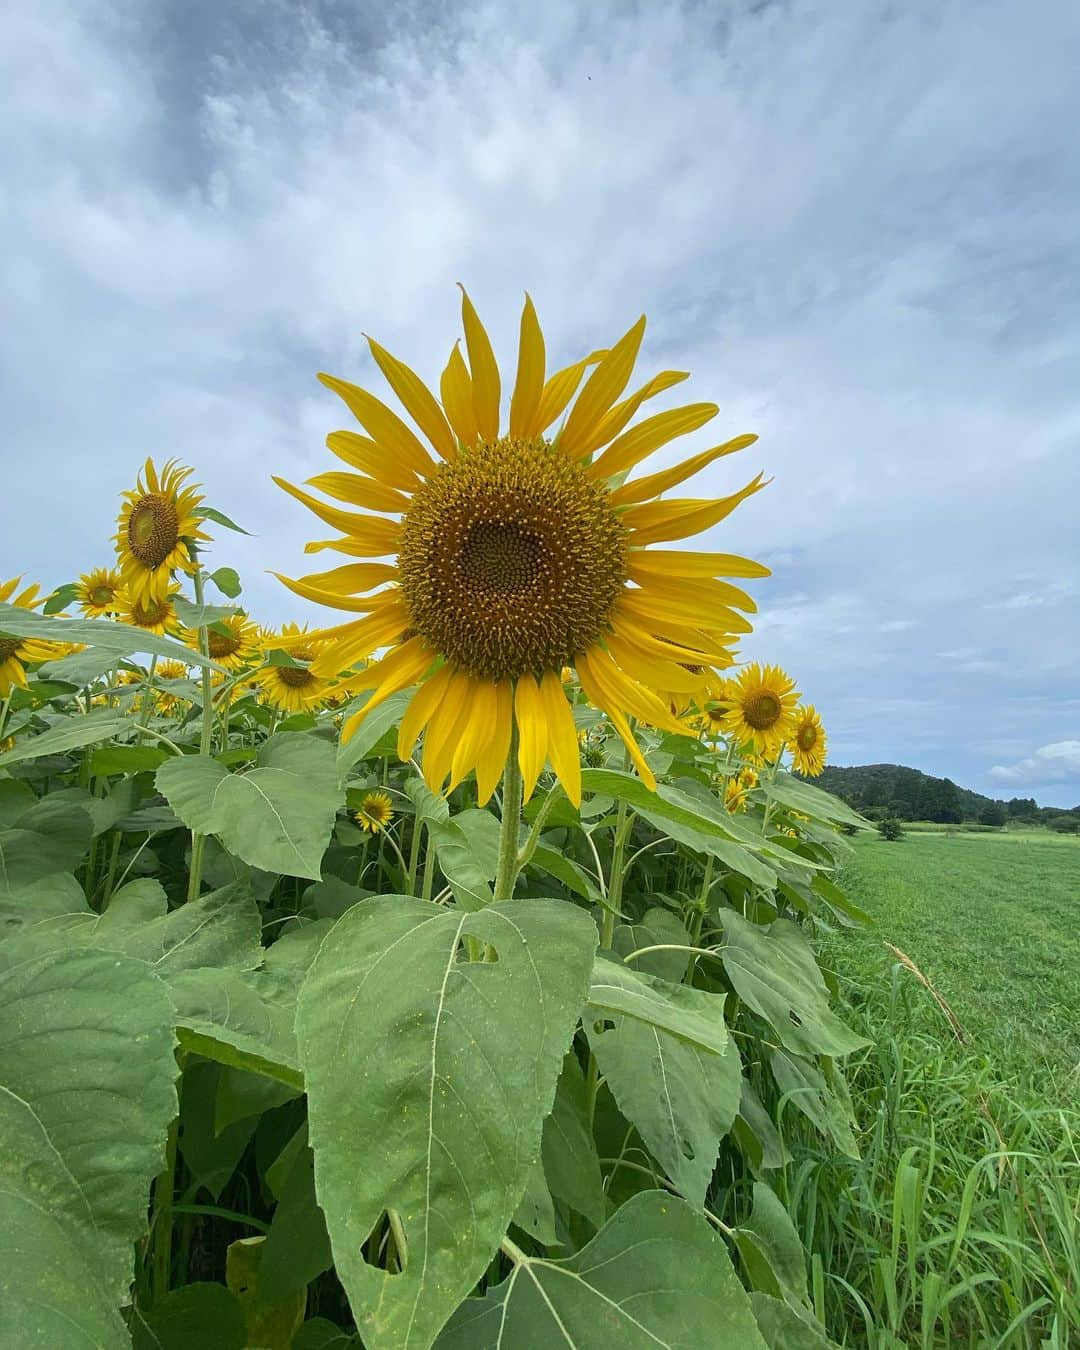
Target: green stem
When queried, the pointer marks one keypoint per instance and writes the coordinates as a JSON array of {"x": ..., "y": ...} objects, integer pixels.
[
  {"x": 429, "y": 869},
  {"x": 4, "y": 711},
  {"x": 163, "y": 1219},
  {"x": 198, "y": 841},
  {"x": 533, "y": 838},
  {"x": 414, "y": 853},
  {"x": 507, "y": 871},
  {"x": 110, "y": 878}
]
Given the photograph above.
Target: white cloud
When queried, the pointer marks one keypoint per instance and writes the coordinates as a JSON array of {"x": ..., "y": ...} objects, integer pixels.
[{"x": 1057, "y": 762}]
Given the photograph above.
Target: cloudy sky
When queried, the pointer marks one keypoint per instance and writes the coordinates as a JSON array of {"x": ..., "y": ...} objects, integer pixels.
[{"x": 855, "y": 223}]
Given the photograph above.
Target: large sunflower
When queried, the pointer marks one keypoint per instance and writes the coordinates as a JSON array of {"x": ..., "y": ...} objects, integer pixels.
[
  {"x": 98, "y": 592},
  {"x": 156, "y": 531},
  {"x": 17, "y": 653},
  {"x": 234, "y": 649},
  {"x": 293, "y": 688},
  {"x": 808, "y": 742},
  {"x": 520, "y": 550},
  {"x": 761, "y": 708}
]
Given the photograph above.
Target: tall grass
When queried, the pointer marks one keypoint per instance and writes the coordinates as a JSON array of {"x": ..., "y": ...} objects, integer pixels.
[{"x": 960, "y": 1226}]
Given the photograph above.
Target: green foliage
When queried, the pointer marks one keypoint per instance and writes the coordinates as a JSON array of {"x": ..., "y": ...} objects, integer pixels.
[{"x": 890, "y": 829}]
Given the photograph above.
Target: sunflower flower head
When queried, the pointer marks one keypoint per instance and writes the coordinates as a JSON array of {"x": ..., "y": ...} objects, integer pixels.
[
  {"x": 521, "y": 548},
  {"x": 233, "y": 642},
  {"x": 16, "y": 653},
  {"x": 762, "y": 708},
  {"x": 293, "y": 688},
  {"x": 808, "y": 742},
  {"x": 157, "y": 531},
  {"x": 735, "y": 795},
  {"x": 375, "y": 812},
  {"x": 98, "y": 592},
  {"x": 155, "y": 613}
]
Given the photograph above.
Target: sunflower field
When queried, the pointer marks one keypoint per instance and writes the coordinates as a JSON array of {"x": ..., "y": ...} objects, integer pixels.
[{"x": 440, "y": 975}]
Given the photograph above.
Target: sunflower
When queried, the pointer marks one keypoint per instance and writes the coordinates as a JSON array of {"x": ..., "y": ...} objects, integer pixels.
[
  {"x": 154, "y": 613},
  {"x": 808, "y": 742},
  {"x": 16, "y": 653},
  {"x": 294, "y": 688},
  {"x": 748, "y": 777},
  {"x": 375, "y": 813},
  {"x": 156, "y": 532},
  {"x": 761, "y": 709},
  {"x": 520, "y": 550},
  {"x": 735, "y": 795},
  {"x": 98, "y": 592},
  {"x": 234, "y": 649}
]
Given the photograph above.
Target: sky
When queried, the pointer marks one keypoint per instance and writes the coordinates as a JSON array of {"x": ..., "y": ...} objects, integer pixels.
[{"x": 854, "y": 222}]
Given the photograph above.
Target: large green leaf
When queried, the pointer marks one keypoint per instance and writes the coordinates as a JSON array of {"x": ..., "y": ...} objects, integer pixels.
[
  {"x": 101, "y": 724},
  {"x": 277, "y": 816},
  {"x": 774, "y": 972},
  {"x": 657, "y": 928},
  {"x": 202, "y": 1315},
  {"x": 681, "y": 1098},
  {"x": 44, "y": 899},
  {"x": 571, "y": 1162},
  {"x": 771, "y": 1249},
  {"x": 811, "y": 801},
  {"x": 695, "y": 1015},
  {"x": 102, "y": 634},
  {"x": 371, "y": 730},
  {"x": 468, "y": 851},
  {"x": 823, "y": 1103},
  {"x": 87, "y": 1051},
  {"x": 655, "y": 1276},
  {"x": 428, "y": 1078},
  {"x": 47, "y": 837}
]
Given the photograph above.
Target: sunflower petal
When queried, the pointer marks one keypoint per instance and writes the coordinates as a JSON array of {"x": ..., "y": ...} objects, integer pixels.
[
  {"x": 601, "y": 390},
  {"x": 559, "y": 390},
  {"x": 482, "y": 711},
  {"x": 486, "y": 388},
  {"x": 614, "y": 420},
  {"x": 562, "y": 736},
  {"x": 398, "y": 670},
  {"x": 532, "y": 732},
  {"x": 670, "y": 676},
  {"x": 655, "y": 522},
  {"x": 529, "y": 385},
  {"x": 674, "y": 562},
  {"x": 599, "y": 699},
  {"x": 456, "y": 389},
  {"x": 353, "y": 578},
  {"x": 652, "y": 609},
  {"x": 363, "y": 454},
  {"x": 360, "y": 491},
  {"x": 377, "y": 630},
  {"x": 354, "y": 604},
  {"x": 702, "y": 593},
  {"x": 348, "y": 522},
  {"x": 421, "y": 707},
  {"x": 492, "y": 757},
  {"x": 417, "y": 400},
  {"x": 445, "y": 728},
  {"x": 642, "y": 489},
  {"x": 634, "y": 445},
  {"x": 634, "y": 697},
  {"x": 381, "y": 423}
]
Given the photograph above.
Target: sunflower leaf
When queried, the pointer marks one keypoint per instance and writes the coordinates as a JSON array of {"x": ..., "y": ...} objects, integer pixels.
[
  {"x": 63, "y": 595},
  {"x": 202, "y": 616},
  {"x": 227, "y": 581},
  {"x": 204, "y": 512},
  {"x": 103, "y": 634}
]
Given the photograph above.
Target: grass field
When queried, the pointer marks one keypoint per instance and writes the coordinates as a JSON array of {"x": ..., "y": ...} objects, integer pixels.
[
  {"x": 992, "y": 920},
  {"x": 960, "y": 1225}
]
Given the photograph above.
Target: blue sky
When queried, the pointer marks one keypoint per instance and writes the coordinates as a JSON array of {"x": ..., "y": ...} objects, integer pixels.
[{"x": 855, "y": 223}]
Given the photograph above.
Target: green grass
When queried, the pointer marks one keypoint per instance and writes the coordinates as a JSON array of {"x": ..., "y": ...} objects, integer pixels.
[
  {"x": 992, "y": 920},
  {"x": 960, "y": 1226}
]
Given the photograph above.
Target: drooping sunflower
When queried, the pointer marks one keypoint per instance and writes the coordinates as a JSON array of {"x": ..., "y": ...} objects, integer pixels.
[
  {"x": 98, "y": 592},
  {"x": 808, "y": 742},
  {"x": 234, "y": 649},
  {"x": 735, "y": 795},
  {"x": 517, "y": 551},
  {"x": 294, "y": 688},
  {"x": 16, "y": 653},
  {"x": 157, "y": 529},
  {"x": 375, "y": 813},
  {"x": 761, "y": 708},
  {"x": 156, "y": 614}
]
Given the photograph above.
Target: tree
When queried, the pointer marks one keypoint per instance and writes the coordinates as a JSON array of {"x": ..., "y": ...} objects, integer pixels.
[
  {"x": 993, "y": 814},
  {"x": 890, "y": 829},
  {"x": 1022, "y": 806}
]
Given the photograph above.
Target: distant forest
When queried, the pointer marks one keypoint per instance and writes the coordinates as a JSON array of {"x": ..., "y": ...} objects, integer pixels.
[{"x": 893, "y": 790}]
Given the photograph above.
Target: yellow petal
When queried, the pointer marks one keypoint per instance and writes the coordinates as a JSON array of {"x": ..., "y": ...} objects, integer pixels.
[
  {"x": 421, "y": 706},
  {"x": 643, "y": 489},
  {"x": 563, "y": 748},
  {"x": 381, "y": 424},
  {"x": 661, "y": 611},
  {"x": 559, "y": 390},
  {"x": 444, "y": 729},
  {"x": 408, "y": 656},
  {"x": 655, "y": 522},
  {"x": 377, "y": 630},
  {"x": 358, "y": 527},
  {"x": 486, "y": 389},
  {"x": 704, "y": 594},
  {"x": 600, "y": 700},
  {"x": 672, "y": 677},
  {"x": 492, "y": 758},
  {"x": 353, "y": 577},
  {"x": 354, "y": 604},
  {"x": 417, "y": 399},
  {"x": 532, "y": 732},
  {"x": 360, "y": 491},
  {"x": 482, "y": 711},
  {"x": 628, "y": 694},
  {"x": 613, "y": 421},
  {"x": 694, "y": 643},
  {"x": 400, "y": 669},
  {"x": 456, "y": 389},
  {"x": 633, "y": 446},
  {"x": 363, "y": 454},
  {"x": 529, "y": 385},
  {"x": 601, "y": 390},
  {"x": 674, "y": 562}
]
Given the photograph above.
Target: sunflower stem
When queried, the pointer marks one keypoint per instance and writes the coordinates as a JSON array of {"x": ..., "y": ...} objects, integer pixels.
[
  {"x": 507, "y": 871},
  {"x": 198, "y": 841},
  {"x": 414, "y": 853}
]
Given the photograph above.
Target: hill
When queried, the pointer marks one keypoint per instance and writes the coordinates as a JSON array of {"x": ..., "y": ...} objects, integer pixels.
[{"x": 909, "y": 794}]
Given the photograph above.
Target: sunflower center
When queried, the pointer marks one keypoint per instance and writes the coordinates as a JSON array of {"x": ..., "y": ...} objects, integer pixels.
[
  {"x": 101, "y": 595},
  {"x": 296, "y": 677},
  {"x": 219, "y": 645},
  {"x": 511, "y": 559},
  {"x": 807, "y": 737},
  {"x": 149, "y": 616},
  {"x": 762, "y": 711},
  {"x": 8, "y": 648},
  {"x": 715, "y": 715},
  {"x": 153, "y": 529}
]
